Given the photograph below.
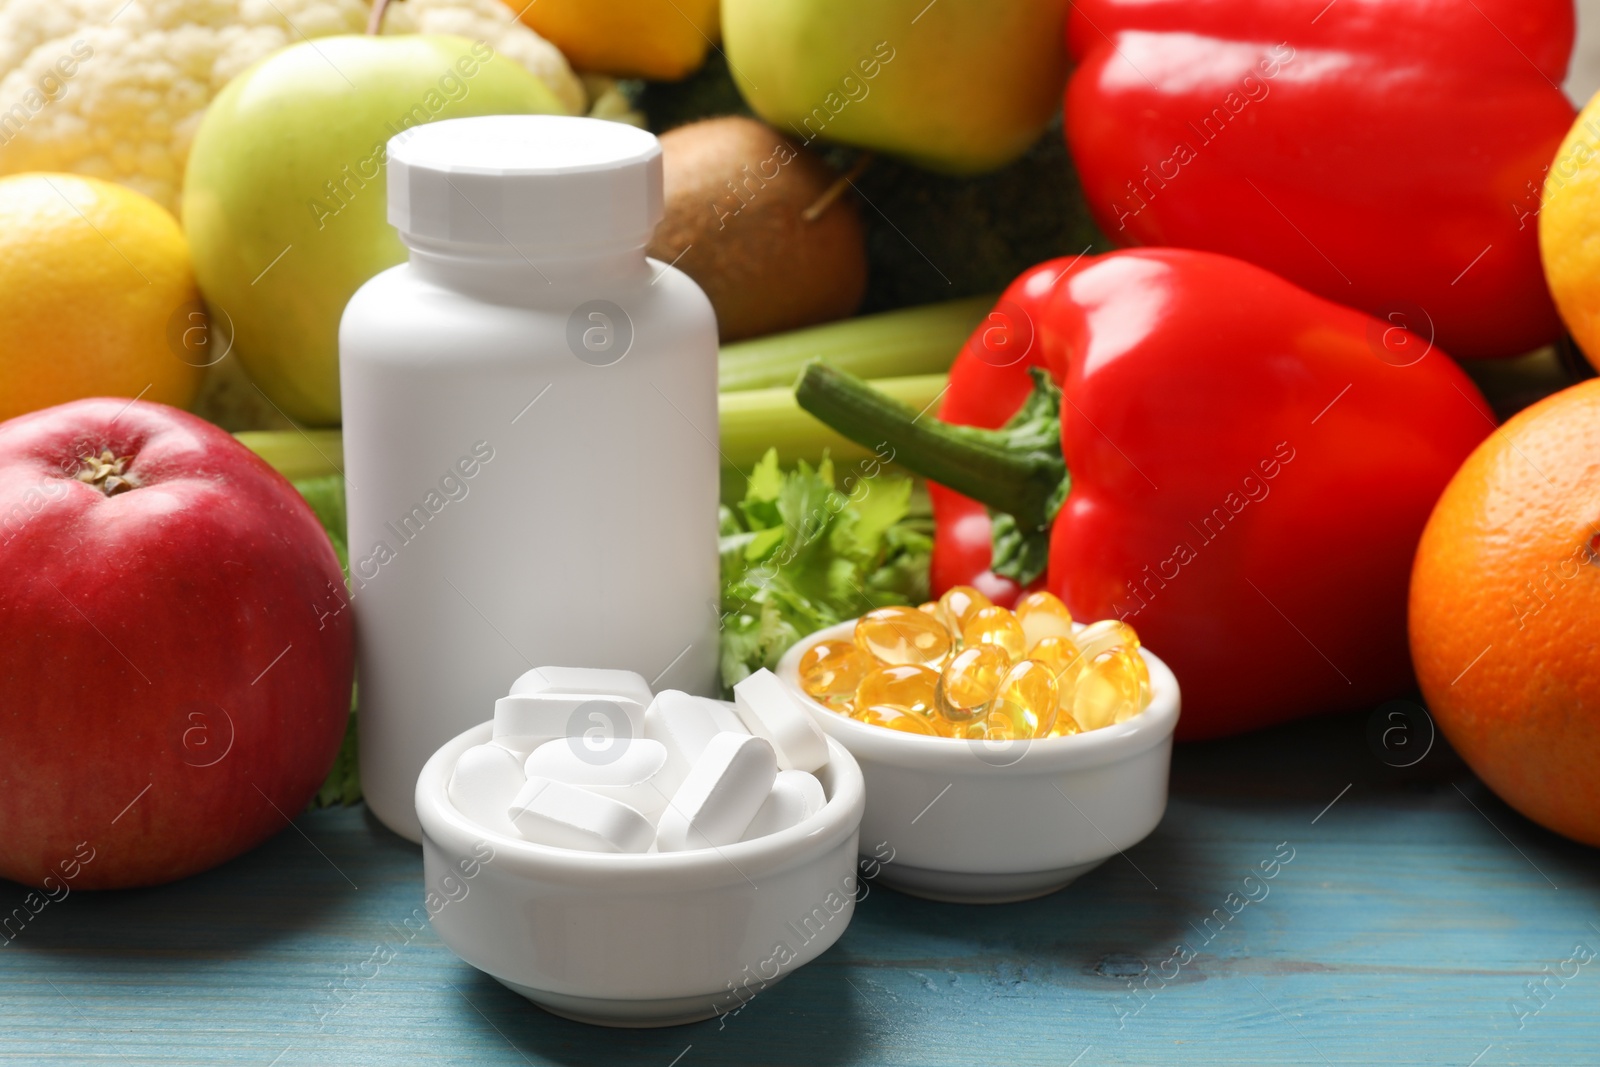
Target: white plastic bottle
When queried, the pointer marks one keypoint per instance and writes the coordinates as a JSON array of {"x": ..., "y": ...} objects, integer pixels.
[{"x": 530, "y": 435}]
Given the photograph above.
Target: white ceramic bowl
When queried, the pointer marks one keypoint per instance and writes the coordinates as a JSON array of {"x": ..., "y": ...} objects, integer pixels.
[
  {"x": 977, "y": 822},
  {"x": 648, "y": 939}
]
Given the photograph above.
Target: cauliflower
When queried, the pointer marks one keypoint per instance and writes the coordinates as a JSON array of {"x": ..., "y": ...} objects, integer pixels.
[{"x": 116, "y": 88}]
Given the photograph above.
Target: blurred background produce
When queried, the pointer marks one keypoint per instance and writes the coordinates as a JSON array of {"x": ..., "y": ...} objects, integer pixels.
[
  {"x": 1569, "y": 230},
  {"x": 123, "y": 84},
  {"x": 1389, "y": 163},
  {"x": 962, "y": 86},
  {"x": 765, "y": 227},
  {"x": 96, "y": 294},
  {"x": 661, "y": 39},
  {"x": 930, "y": 167},
  {"x": 283, "y": 198}
]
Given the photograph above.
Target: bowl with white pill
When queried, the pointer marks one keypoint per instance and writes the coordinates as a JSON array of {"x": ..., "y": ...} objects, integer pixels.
[
  {"x": 630, "y": 858},
  {"x": 981, "y": 822}
]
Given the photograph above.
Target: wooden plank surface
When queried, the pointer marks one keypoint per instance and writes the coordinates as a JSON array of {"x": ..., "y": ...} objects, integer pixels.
[{"x": 1404, "y": 930}]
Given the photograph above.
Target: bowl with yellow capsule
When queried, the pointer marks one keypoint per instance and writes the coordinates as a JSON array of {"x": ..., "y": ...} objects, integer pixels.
[{"x": 1005, "y": 752}]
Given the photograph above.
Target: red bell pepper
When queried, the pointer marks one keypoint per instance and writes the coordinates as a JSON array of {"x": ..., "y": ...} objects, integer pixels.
[
  {"x": 1386, "y": 154},
  {"x": 1250, "y": 470}
]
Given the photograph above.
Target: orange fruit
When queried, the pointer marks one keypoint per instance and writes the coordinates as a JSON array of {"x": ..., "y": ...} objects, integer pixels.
[
  {"x": 1505, "y": 612},
  {"x": 663, "y": 40},
  {"x": 97, "y": 297}
]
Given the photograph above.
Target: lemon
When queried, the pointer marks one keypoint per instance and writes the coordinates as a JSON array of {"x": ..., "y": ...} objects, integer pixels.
[
  {"x": 97, "y": 297},
  {"x": 1569, "y": 230}
]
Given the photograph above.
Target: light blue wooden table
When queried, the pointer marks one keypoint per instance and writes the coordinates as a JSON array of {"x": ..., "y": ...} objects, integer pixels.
[{"x": 1406, "y": 928}]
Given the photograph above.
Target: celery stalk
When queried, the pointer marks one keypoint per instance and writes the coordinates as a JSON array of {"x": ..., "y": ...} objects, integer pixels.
[
  {"x": 758, "y": 419},
  {"x": 911, "y": 341},
  {"x": 752, "y": 421},
  {"x": 297, "y": 454}
]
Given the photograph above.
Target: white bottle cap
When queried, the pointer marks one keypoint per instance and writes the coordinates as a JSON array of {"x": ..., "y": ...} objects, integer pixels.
[{"x": 543, "y": 185}]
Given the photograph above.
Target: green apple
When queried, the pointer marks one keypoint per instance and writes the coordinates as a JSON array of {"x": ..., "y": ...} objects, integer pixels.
[
  {"x": 960, "y": 86},
  {"x": 284, "y": 199}
]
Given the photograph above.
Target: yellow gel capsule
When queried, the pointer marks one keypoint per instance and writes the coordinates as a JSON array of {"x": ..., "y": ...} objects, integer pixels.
[
  {"x": 1026, "y": 703},
  {"x": 1105, "y": 635},
  {"x": 1107, "y": 688},
  {"x": 995, "y": 626},
  {"x": 931, "y": 607},
  {"x": 973, "y": 730},
  {"x": 1065, "y": 725},
  {"x": 1043, "y": 615},
  {"x": 1064, "y": 658},
  {"x": 1141, "y": 675},
  {"x": 958, "y": 604},
  {"x": 893, "y": 718},
  {"x": 908, "y": 686},
  {"x": 831, "y": 670},
  {"x": 970, "y": 682},
  {"x": 943, "y": 727},
  {"x": 1113, "y": 635},
  {"x": 903, "y": 635},
  {"x": 992, "y": 727}
]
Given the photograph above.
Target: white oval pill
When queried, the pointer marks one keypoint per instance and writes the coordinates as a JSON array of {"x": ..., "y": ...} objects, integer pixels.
[
  {"x": 769, "y": 709},
  {"x": 524, "y": 721},
  {"x": 591, "y": 680},
  {"x": 685, "y": 725},
  {"x": 795, "y": 797},
  {"x": 621, "y": 768},
  {"x": 485, "y": 781},
  {"x": 724, "y": 789},
  {"x": 565, "y": 816}
]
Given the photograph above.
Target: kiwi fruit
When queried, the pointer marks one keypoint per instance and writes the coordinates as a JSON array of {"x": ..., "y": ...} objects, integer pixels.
[{"x": 747, "y": 217}]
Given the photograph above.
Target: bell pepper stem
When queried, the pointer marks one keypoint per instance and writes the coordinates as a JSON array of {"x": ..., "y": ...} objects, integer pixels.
[{"x": 986, "y": 465}]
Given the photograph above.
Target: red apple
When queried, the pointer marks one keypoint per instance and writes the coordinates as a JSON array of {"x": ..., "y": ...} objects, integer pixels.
[{"x": 175, "y": 663}]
